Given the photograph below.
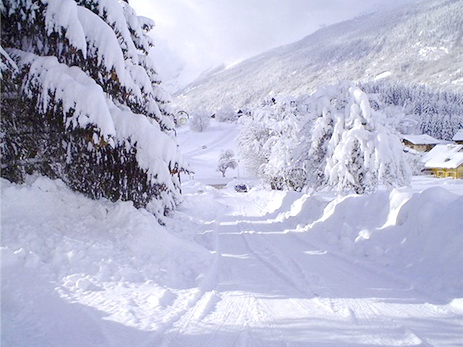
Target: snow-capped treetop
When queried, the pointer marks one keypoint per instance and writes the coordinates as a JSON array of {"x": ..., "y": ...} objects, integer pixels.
[{"x": 106, "y": 33}]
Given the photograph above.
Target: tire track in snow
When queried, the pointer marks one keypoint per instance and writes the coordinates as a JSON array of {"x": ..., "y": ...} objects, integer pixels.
[
  {"x": 231, "y": 309},
  {"x": 234, "y": 318},
  {"x": 367, "y": 315},
  {"x": 289, "y": 282},
  {"x": 310, "y": 286},
  {"x": 203, "y": 301},
  {"x": 305, "y": 296}
]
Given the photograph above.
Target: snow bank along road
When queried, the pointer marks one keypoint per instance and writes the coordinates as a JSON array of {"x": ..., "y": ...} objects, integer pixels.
[{"x": 257, "y": 269}]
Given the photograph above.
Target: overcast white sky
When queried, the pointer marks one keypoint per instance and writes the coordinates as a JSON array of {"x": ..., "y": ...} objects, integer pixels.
[{"x": 194, "y": 35}]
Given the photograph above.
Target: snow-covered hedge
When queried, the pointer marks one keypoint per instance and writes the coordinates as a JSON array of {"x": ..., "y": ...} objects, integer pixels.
[{"x": 84, "y": 101}]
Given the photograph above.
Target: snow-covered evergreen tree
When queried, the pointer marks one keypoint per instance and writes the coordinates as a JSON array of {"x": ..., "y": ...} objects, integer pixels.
[
  {"x": 333, "y": 138},
  {"x": 226, "y": 161},
  {"x": 350, "y": 149},
  {"x": 85, "y": 103}
]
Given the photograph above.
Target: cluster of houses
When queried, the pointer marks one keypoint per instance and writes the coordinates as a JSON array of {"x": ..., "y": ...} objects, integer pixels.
[{"x": 440, "y": 158}]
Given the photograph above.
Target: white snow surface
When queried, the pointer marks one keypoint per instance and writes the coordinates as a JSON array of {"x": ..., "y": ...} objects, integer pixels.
[
  {"x": 263, "y": 268},
  {"x": 448, "y": 156}
]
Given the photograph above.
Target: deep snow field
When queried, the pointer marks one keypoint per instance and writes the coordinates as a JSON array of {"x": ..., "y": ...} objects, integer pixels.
[{"x": 263, "y": 268}]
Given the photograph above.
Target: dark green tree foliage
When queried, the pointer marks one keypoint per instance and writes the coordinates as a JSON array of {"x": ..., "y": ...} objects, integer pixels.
[{"x": 81, "y": 101}]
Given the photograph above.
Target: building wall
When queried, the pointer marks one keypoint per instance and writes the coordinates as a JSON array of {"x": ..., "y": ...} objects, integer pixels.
[
  {"x": 452, "y": 173},
  {"x": 420, "y": 147}
]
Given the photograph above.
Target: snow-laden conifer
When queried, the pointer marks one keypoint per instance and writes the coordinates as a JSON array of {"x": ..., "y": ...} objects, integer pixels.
[
  {"x": 351, "y": 150},
  {"x": 333, "y": 138},
  {"x": 86, "y": 103}
]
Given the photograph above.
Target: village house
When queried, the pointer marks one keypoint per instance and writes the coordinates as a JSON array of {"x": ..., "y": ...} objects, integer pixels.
[
  {"x": 421, "y": 143},
  {"x": 458, "y": 137},
  {"x": 445, "y": 161}
]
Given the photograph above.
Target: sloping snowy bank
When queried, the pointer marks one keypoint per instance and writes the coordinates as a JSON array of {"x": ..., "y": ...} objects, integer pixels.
[
  {"x": 60, "y": 248},
  {"x": 416, "y": 234}
]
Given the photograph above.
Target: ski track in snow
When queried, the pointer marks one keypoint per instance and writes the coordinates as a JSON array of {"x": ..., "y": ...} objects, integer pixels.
[
  {"x": 263, "y": 268},
  {"x": 287, "y": 295},
  {"x": 267, "y": 283}
]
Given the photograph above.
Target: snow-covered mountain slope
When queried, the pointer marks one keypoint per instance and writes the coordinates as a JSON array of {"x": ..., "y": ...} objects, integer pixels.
[
  {"x": 202, "y": 150},
  {"x": 419, "y": 43}
]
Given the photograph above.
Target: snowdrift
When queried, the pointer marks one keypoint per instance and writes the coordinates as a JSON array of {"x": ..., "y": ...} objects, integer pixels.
[
  {"x": 416, "y": 234},
  {"x": 84, "y": 261},
  {"x": 81, "y": 272}
]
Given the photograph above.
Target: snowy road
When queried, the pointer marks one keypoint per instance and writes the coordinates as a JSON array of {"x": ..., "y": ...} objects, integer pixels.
[
  {"x": 264, "y": 268},
  {"x": 268, "y": 286}
]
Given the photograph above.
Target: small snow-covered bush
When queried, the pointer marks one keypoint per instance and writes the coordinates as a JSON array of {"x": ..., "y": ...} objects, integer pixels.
[
  {"x": 269, "y": 139},
  {"x": 227, "y": 114},
  {"x": 226, "y": 161},
  {"x": 200, "y": 121}
]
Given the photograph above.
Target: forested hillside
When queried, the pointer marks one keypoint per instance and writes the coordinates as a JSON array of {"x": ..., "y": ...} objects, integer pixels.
[{"x": 417, "y": 46}]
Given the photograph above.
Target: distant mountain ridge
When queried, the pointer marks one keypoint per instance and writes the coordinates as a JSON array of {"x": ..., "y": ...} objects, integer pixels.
[{"x": 420, "y": 43}]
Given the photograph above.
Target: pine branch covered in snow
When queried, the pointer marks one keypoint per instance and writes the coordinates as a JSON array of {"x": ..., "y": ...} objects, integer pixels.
[{"x": 87, "y": 105}]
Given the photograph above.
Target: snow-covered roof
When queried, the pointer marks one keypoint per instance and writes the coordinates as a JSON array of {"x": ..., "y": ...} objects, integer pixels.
[
  {"x": 458, "y": 136},
  {"x": 444, "y": 156},
  {"x": 423, "y": 139}
]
